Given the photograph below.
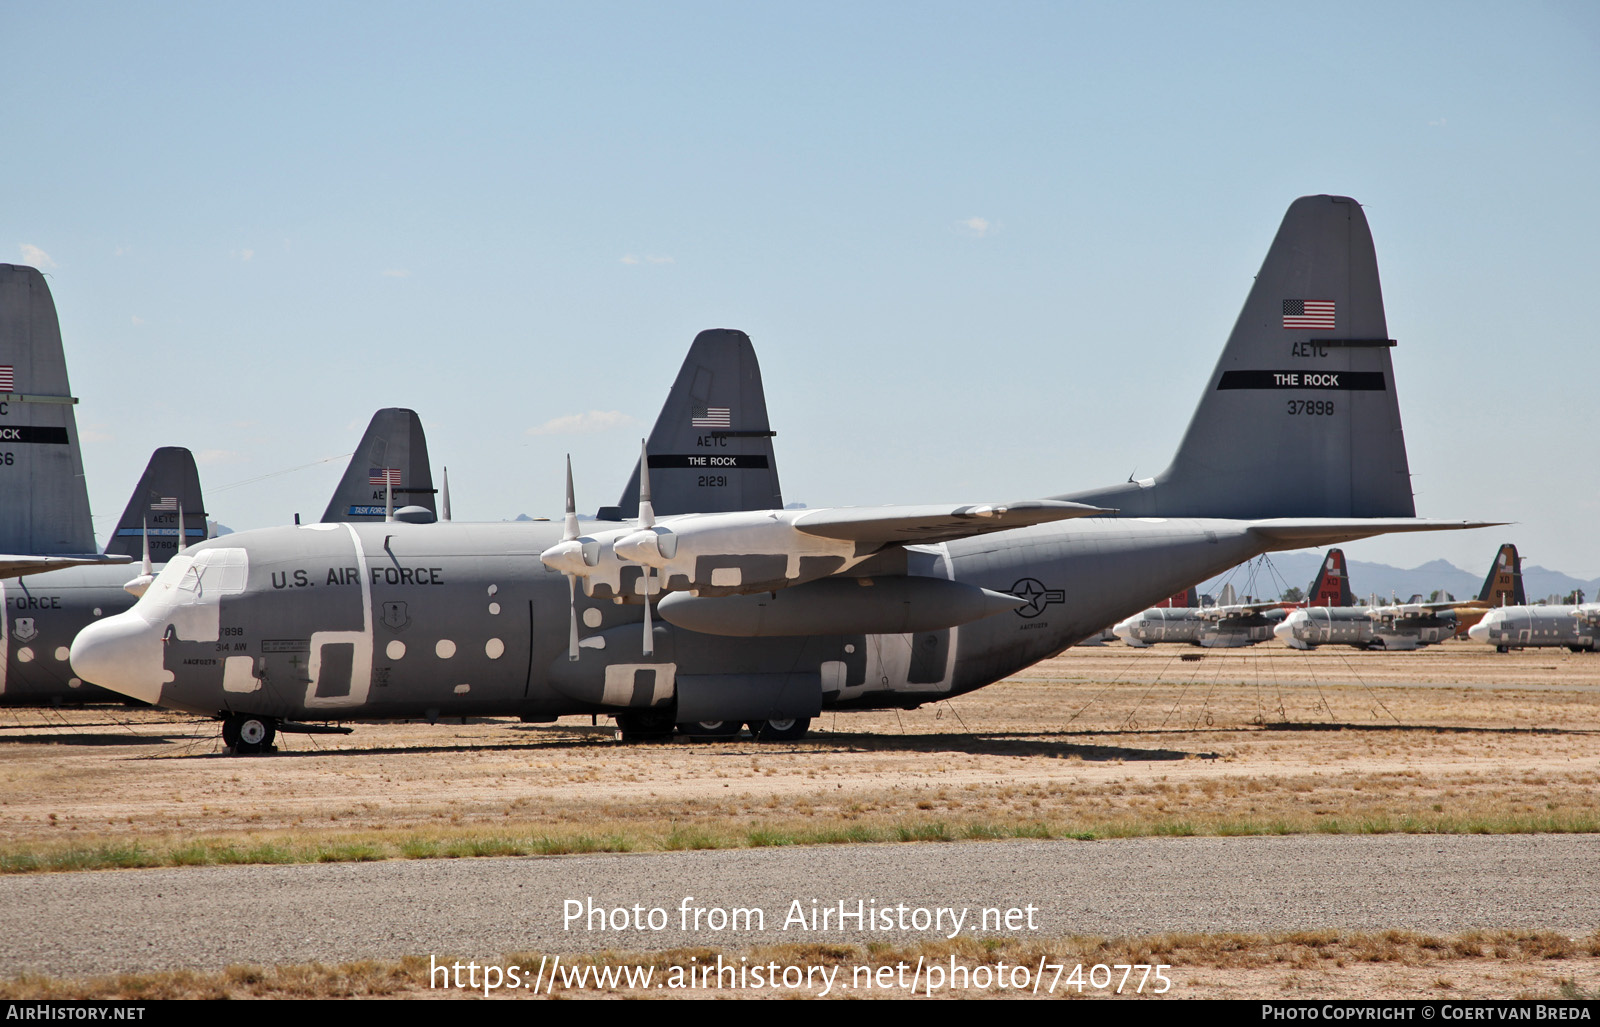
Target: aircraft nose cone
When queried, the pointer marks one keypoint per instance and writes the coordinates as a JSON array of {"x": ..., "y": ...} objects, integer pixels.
[
  {"x": 1123, "y": 629},
  {"x": 1479, "y": 632},
  {"x": 1285, "y": 628},
  {"x": 123, "y": 653}
]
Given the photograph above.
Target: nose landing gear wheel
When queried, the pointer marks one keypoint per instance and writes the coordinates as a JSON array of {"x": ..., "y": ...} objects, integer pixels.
[{"x": 247, "y": 734}]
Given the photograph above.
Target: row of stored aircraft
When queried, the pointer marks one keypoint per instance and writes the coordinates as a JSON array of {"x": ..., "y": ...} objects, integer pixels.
[
  {"x": 713, "y": 607},
  {"x": 1330, "y": 616}
]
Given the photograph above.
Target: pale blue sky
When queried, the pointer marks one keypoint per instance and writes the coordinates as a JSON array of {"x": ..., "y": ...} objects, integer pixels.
[{"x": 985, "y": 251}]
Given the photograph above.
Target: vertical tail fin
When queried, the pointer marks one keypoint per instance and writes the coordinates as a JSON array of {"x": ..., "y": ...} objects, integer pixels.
[
  {"x": 392, "y": 455},
  {"x": 44, "y": 508},
  {"x": 169, "y": 488},
  {"x": 1300, "y": 416},
  {"x": 1332, "y": 585},
  {"x": 1188, "y": 599},
  {"x": 711, "y": 447},
  {"x": 1503, "y": 586}
]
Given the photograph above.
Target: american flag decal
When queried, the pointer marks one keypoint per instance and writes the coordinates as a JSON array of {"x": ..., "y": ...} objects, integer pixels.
[
  {"x": 381, "y": 476},
  {"x": 711, "y": 417},
  {"x": 8, "y": 378},
  {"x": 165, "y": 503},
  {"x": 1308, "y": 314}
]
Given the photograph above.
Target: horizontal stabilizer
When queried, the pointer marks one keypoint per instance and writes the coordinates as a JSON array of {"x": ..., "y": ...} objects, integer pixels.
[
  {"x": 17, "y": 566},
  {"x": 1328, "y": 531},
  {"x": 921, "y": 525}
]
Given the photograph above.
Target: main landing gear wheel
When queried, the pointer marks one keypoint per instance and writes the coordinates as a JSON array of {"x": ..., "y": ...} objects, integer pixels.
[
  {"x": 710, "y": 730},
  {"x": 790, "y": 729},
  {"x": 247, "y": 734},
  {"x": 645, "y": 726}
]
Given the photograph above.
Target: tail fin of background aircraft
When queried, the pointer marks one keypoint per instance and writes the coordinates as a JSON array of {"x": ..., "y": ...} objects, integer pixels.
[
  {"x": 393, "y": 454},
  {"x": 1300, "y": 417},
  {"x": 44, "y": 509},
  {"x": 711, "y": 448},
  {"x": 1503, "y": 586},
  {"x": 1332, "y": 585},
  {"x": 1188, "y": 599},
  {"x": 170, "y": 484}
]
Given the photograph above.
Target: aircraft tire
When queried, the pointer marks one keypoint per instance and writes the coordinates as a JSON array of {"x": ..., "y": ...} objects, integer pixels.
[
  {"x": 711, "y": 730},
  {"x": 1502, "y": 648},
  {"x": 249, "y": 735},
  {"x": 783, "y": 730},
  {"x": 648, "y": 726}
]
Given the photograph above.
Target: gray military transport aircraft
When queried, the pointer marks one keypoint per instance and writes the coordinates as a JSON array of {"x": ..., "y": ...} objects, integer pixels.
[
  {"x": 1532, "y": 627},
  {"x": 770, "y": 616}
]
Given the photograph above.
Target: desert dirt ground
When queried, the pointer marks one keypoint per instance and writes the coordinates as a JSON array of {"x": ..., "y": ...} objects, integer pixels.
[{"x": 1101, "y": 739}]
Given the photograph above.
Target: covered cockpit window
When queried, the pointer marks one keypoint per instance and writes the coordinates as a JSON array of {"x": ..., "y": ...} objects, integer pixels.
[{"x": 201, "y": 578}]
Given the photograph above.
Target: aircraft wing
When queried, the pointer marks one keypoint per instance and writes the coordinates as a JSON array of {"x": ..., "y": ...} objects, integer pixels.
[
  {"x": 1328, "y": 531},
  {"x": 17, "y": 566},
  {"x": 921, "y": 525},
  {"x": 1241, "y": 610}
]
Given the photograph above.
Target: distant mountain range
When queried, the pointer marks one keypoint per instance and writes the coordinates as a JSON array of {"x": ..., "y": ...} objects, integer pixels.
[{"x": 1382, "y": 580}]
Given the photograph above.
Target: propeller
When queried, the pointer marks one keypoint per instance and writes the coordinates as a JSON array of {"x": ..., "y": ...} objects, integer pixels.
[
  {"x": 568, "y": 557},
  {"x": 446, "y": 496},
  {"x": 647, "y": 520},
  {"x": 388, "y": 497},
  {"x": 138, "y": 586}
]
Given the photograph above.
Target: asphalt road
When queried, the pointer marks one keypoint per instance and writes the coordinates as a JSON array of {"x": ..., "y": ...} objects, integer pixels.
[{"x": 210, "y": 917}]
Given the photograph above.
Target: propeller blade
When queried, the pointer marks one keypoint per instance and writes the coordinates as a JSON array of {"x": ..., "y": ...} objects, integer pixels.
[
  {"x": 647, "y": 512},
  {"x": 570, "y": 523},
  {"x": 446, "y": 496},
  {"x": 146, "y": 567},
  {"x": 572, "y": 611},
  {"x": 182, "y": 536},
  {"x": 649, "y": 632},
  {"x": 388, "y": 498}
]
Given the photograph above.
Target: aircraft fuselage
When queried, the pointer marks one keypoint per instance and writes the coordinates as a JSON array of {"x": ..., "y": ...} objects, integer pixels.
[
  {"x": 42, "y": 614},
  {"x": 372, "y": 621}
]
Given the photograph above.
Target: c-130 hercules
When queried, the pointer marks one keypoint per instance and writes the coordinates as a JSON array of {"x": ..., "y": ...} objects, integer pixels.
[{"x": 371, "y": 621}]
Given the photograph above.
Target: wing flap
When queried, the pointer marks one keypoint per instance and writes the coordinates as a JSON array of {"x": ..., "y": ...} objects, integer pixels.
[
  {"x": 18, "y": 566},
  {"x": 921, "y": 525}
]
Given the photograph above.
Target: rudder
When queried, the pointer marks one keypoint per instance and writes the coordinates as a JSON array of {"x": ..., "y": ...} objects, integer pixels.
[
  {"x": 1503, "y": 586},
  {"x": 1300, "y": 416},
  {"x": 170, "y": 485},
  {"x": 45, "y": 508},
  {"x": 1332, "y": 584},
  {"x": 711, "y": 447},
  {"x": 391, "y": 457}
]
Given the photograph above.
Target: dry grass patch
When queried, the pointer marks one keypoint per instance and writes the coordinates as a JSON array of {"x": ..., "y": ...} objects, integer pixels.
[{"x": 1552, "y": 964}]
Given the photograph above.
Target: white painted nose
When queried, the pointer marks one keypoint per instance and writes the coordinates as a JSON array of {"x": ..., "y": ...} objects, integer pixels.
[
  {"x": 124, "y": 653},
  {"x": 1479, "y": 632},
  {"x": 1285, "y": 628},
  {"x": 1123, "y": 629}
]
